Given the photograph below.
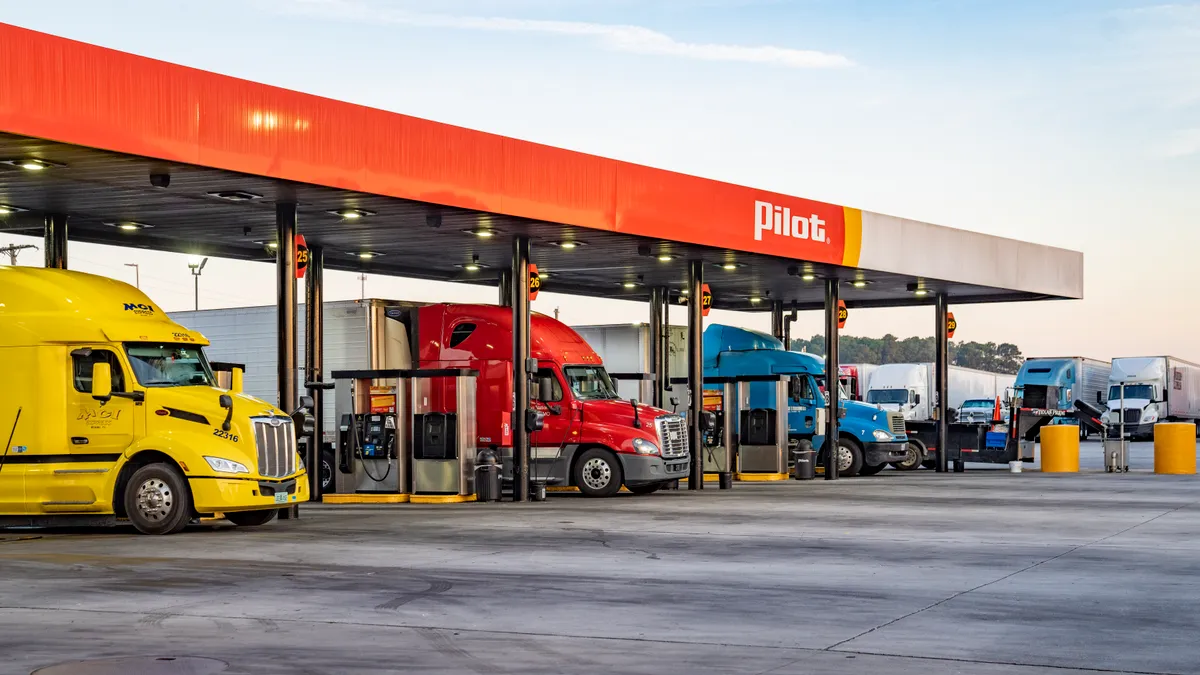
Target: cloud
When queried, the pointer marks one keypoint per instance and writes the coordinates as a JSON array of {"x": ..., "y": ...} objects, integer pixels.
[
  {"x": 618, "y": 37},
  {"x": 1182, "y": 144}
]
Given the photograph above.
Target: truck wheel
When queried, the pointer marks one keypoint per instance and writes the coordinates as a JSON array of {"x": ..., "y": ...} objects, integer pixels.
[
  {"x": 849, "y": 458},
  {"x": 598, "y": 473},
  {"x": 157, "y": 500},
  {"x": 913, "y": 453},
  {"x": 869, "y": 470},
  {"x": 646, "y": 489},
  {"x": 252, "y": 518},
  {"x": 327, "y": 462},
  {"x": 930, "y": 464}
]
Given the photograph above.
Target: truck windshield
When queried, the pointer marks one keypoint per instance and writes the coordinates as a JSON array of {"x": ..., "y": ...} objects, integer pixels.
[
  {"x": 169, "y": 365},
  {"x": 877, "y": 396},
  {"x": 590, "y": 382},
  {"x": 843, "y": 395},
  {"x": 1144, "y": 391},
  {"x": 978, "y": 403}
]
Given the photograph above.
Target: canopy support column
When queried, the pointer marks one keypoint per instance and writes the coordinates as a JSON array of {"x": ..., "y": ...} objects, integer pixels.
[
  {"x": 285, "y": 300},
  {"x": 519, "y": 301},
  {"x": 831, "y": 379},
  {"x": 55, "y": 242},
  {"x": 777, "y": 320},
  {"x": 941, "y": 341},
  {"x": 657, "y": 356},
  {"x": 314, "y": 359},
  {"x": 695, "y": 372},
  {"x": 505, "y": 287}
]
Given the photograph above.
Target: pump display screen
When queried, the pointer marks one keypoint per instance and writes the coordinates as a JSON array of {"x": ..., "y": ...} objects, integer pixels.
[
  {"x": 169, "y": 365},
  {"x": 877, "y": 396},
  {"x": 590, "y": 382}
]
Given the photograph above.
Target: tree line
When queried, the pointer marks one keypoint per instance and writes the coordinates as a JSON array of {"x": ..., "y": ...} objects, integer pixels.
[{"x": 997, "y": 358}]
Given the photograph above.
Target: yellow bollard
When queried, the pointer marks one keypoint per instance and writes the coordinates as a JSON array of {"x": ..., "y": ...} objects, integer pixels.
[
  {"x": 1175, "y": 448},
  {"x": 1060, "y": 448}
]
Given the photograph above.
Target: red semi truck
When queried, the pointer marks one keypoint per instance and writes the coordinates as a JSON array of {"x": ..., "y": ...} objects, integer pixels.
[{"x": 592, "y": 438}]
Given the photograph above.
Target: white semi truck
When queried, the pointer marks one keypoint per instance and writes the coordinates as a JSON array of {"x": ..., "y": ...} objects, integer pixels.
[
  {"x": 1146, "y": 390},
  {"x": 908, "y": 388},
  {"x": 625, "y": 349}
]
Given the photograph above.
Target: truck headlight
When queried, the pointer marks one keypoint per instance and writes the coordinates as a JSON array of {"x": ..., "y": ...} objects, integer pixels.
[
  {"x": 1150, "y": 416},
  {"x": 881, "y": 435},
  {"x": 644, "y": 447},
  {"x": 222, "y": 465}
]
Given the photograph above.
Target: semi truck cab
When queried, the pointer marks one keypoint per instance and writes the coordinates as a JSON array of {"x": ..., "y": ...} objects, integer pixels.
[
  {"x": 870, "y": 438},
  {"x": 113, "y": 412},
  {"x": 591, "y": 438}
]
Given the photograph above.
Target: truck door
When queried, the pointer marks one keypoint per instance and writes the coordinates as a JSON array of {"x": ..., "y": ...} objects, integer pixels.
[
  {"x": 802, "y": 406},
  {"x": 547, "y": 446},
  {"x": 96, "y": 434}
]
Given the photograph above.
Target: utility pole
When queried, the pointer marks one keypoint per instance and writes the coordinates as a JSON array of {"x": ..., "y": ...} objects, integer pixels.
[
  {"x": 13, "y": 250},
  {"x": 137, "y": 274},
  {"x": 556, "y": 314}
]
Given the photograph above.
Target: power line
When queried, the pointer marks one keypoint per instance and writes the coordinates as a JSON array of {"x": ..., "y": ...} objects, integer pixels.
[{"x": 15, "y": 249}]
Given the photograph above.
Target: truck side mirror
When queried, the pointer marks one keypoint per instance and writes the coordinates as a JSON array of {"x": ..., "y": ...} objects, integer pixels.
[
  {"x": 101, "y": 381},
  {"x": 916, "y": 399},
  {"x": 306, "y": 402},
  {"x": 546, "y": 389},
  {"x": 1099, "y": 396},
  {"x": 794, "y": 388},
  {"x": 235, "y": 380}
]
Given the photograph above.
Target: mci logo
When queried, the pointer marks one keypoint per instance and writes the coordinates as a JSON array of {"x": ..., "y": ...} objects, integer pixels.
[
  {"x": 140, "y": 309},
  {"x": 779, "y": 220}
]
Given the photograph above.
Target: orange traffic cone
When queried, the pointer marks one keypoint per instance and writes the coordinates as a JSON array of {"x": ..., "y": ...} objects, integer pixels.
[{"x": 997, "y": 417}]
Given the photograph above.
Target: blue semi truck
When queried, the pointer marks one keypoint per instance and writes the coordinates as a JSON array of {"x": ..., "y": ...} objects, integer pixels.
[
  {"x": 870, "y": 438},
  {"x": 1056, "y": 383}
]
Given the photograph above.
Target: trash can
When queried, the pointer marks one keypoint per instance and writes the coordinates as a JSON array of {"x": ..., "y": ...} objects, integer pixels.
[
  {"x": 804, "y": 460},
  {"x": 487, "y": 476}
]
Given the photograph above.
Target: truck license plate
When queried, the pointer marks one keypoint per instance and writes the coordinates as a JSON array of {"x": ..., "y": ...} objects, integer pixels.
[{"x": 281, "y": 498}]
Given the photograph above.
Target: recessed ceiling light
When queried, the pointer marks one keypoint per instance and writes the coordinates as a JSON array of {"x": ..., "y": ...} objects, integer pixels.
[
  {"x": 482, "y": 232},
  {"x": 665, "y": 257},
  {"x": 629, "y": 284},
  {"x": 473, "y": 266},
  {"x": 920, "y": 291},
  {"x": 235, "y": 195},
  {"x": 808, "y": 277},
  {"x": 31, "y": 164},
  {"x": 859, "y": 283},
  {"x": 685, "y": 291},
  {"x": 352, "y": 214},
  {"x": 568, "y": 245},
  {"x": 730, "y": 266},
  {"x": 754, "y": 299},
  {"x": 128, "y": 225},
  {"x": 6, "y": 209},
  {"x": 365, "y": 255}
]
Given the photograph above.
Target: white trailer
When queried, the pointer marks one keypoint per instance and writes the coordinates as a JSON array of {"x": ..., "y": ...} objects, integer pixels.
[
  {"x": 1146, "y": 390},
  {"x": 908, "y": 388},
  {"x": 625, "y": 348}
]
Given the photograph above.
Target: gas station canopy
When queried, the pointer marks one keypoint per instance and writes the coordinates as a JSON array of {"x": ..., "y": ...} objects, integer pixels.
[{"x": 93, "y": 134}]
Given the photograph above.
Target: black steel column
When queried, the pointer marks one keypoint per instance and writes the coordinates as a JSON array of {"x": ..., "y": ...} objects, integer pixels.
[
  {"x": 787, "y": 329},
  {"x": 521, "y": 327},
  {"x": 285, "y": 300},
  {"x": 831, "y": 378},
  {"x": 656, "y": 344},
  {"x": 941, "y": 364},
  {"x": 777, "y": 320},
  {"x": 505, "y": 288},
  {"x": 695, "y": 372},
  {"x": 314, "y": 358},
  {"x": 55, "y": 242}
]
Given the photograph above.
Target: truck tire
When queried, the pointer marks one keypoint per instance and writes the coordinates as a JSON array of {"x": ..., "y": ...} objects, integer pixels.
[
  {"x": 849, "y": 458},
  {"x": 598, "y": 473},
  {"x": 914, "y": 454},
  {"x": 869, "y": 470},
  {"x": 157, "y": 500},
  {"x": 930, "y": 464},
  {"x": 645, "y": 489},
  {"x": 252, "y": 518}
]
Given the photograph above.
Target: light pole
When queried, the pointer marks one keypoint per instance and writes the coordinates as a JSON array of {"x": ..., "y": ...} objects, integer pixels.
[
  {"x": 137, "y": 274},
  {"x": 196, "y": 264}
]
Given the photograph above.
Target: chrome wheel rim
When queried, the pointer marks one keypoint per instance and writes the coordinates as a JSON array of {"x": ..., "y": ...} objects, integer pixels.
[
  {"x": 910, "y": 456},
  {"x": 596, "y": 473},
  {"x": 845, "y": 458},
  {"x": 155, "y": 500}
]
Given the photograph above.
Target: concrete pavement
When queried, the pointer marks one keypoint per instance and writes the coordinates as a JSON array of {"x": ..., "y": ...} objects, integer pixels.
[{"x": 977, "y": 573}]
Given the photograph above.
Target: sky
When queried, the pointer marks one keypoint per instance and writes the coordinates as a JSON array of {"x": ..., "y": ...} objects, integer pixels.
[{"x": 1072, "y": 123}]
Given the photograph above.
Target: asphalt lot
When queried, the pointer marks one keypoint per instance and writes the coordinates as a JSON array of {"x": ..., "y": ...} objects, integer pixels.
[{"x": 977, "y": 573}]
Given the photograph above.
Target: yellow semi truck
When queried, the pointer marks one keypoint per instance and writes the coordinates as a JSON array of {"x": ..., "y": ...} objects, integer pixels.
[{"x": 111, "y": 411}]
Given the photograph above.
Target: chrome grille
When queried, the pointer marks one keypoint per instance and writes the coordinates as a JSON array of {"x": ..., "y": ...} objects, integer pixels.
[
  {"x": 276, "y": 444},
  {"x": 672, "y": 435},
  {"x": 896, "y": 423},
  {"x": 1133, "y": 416}
]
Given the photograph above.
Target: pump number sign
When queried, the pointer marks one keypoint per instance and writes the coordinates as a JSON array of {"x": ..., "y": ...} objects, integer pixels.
[
  {"x": 951, "y": 325},
  {"x": 843, "y": 314},
  {"x": 535, "y": 282},
  {"x": 301, "y": 256},
  {"x": 705, "y": 300}
]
